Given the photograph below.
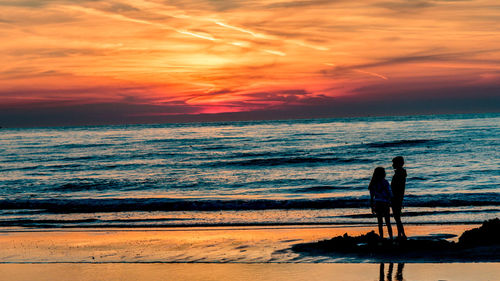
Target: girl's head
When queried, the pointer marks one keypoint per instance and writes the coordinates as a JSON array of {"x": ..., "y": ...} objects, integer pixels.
[{"x": 378, "y": 174}]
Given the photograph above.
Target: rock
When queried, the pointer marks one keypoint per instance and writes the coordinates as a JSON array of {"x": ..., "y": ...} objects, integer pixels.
[{"x": 487, "y": 234}]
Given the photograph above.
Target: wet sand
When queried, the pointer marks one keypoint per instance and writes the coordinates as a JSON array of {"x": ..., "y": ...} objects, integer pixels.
[
  {"x": 177, "y": 245},
  {"x": 237, "y": 253}
]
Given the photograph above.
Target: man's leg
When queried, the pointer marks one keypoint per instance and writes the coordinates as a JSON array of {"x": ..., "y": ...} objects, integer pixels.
[{"x": 396, "y": 211}]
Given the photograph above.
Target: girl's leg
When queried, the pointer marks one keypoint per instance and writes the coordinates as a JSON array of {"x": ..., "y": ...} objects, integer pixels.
[
  {"x": 380, "y": 226},
  {"x": 388, "y": 223}
]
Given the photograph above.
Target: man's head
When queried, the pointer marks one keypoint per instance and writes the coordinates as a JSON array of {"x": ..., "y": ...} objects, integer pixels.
[{"x": 398, "y": 162}]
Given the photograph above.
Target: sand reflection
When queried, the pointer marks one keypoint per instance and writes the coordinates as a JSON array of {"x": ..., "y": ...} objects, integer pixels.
[{"x": 389, "y": 277}]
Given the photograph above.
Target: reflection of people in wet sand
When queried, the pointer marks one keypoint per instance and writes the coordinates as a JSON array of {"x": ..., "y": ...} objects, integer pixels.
[
  {"x": 399, "y": 272},
  {"x": 380, "y": 199},
  {"x": 398, "y": 190}
]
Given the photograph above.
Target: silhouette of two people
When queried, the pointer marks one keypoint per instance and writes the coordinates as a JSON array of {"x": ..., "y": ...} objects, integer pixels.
[{"x": 384, "y": 196}]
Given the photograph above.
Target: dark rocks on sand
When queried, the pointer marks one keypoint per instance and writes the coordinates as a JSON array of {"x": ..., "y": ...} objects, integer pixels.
[
  {"x": 487, "y": 234},
  {"x": 479, "y": 244}
]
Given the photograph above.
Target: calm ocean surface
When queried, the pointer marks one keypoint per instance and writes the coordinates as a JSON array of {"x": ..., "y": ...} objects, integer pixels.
[{"x": 247, "y": 173}]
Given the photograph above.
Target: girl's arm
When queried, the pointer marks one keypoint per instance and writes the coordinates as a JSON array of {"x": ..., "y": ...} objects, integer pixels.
[{"x": 389, "y": 189}]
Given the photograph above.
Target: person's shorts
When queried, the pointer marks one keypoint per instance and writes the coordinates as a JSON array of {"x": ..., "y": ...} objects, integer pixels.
[{"x": 382, "y": 208}]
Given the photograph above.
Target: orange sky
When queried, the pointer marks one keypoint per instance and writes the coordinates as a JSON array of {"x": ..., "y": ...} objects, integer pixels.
[{"x": 216, "y": 56}]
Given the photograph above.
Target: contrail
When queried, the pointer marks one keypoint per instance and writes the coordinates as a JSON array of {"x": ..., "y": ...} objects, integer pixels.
[
  {"x": 164, "y": 26},
  {"x": 238, "y": 29},
  {"x": 372, "y": 74},
  {"x": 129, "y": 19},
  {"x": 257, "y": 35},
  {"x": 278, "y": 53},
  {"x": 196, "y": 35}
]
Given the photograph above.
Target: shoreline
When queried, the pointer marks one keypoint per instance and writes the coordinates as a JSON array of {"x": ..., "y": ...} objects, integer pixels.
[{"x": 218, "y": 226}]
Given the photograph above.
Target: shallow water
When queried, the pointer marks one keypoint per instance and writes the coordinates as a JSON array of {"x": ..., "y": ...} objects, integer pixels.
[{"x": 244, "y": 173}]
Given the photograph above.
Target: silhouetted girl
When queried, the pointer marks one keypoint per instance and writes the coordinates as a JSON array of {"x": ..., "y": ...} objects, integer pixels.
[{"x": 380, "y": 199}]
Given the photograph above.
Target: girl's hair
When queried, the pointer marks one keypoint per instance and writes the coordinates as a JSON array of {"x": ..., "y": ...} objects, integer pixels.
[{"x": 378, "y": 176}]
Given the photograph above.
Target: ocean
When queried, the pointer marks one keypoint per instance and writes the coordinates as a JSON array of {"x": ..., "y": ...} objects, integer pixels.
[{"x": 289, "y": 172}]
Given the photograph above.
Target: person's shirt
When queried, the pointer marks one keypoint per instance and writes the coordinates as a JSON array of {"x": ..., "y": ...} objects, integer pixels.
[
  {"x": 381, "y": 191},
  {"x": 398, "y": 183}
]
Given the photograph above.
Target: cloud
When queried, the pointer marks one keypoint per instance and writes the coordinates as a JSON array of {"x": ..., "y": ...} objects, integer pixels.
[
  {"x": 26, "y": 72},
  {"x": 118, "y": 7},
  {"x": 300, "y": 4},
  {"x": 38, "y": 4},
  {"x": 88, "y": 114},
  {"x": 212, "y": 5},
  {"x": 23, "y": 3},
  {"x": 289, "y": 104},
  {"x": 421, "y": 57},
  {"x": 410, "y": 6},
  {"x": 55, "y": 52}
]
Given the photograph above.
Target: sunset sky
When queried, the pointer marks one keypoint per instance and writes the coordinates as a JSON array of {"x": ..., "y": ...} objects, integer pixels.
[{"x": 94, "y": 62}]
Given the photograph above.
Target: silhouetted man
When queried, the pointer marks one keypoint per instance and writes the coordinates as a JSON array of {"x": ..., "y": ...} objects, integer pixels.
[{"x": 398, "y": 190}]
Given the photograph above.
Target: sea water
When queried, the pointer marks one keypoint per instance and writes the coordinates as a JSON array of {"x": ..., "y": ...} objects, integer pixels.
[{"x": 248, "y": 173}]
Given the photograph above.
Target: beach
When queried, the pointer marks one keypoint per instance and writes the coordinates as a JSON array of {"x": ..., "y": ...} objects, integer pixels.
[
  {"x": 220, "y": 253},
  {"x": 184, "y": 245},
  {"x": 215, "y": 245}
]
